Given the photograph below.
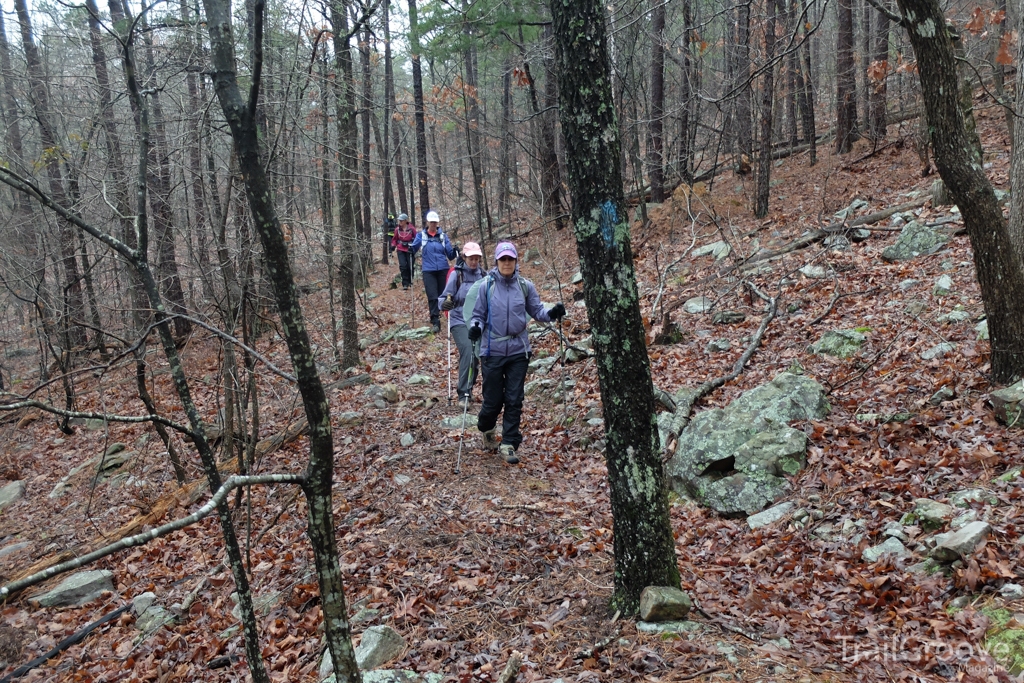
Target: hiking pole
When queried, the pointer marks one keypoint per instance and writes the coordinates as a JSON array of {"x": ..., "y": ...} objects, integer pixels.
[
  {"x": 561, "y": 352},
  {"x": 449, "y": 356},
  {"x": 465, "y": 411}
]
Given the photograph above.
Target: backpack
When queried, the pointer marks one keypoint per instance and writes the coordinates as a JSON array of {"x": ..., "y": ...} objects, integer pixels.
[{"x": 474, "y": 292}]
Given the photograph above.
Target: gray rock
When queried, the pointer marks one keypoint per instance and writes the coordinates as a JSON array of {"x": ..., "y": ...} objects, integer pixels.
[
  {"x": 364, "y": 615},
  {"x": 664, "y": 603},
  {"x": 891, "y": 546},
  {"x": 981, "y": 329},
  {"x": 908, "y": 284},
  {"x": 719, "y": 345},
  {"x": 937, "y": 351},
  {"x": 669, "y": 627},
  {"x": 960, "y": 543},
  {"x": 837, "y": 243},
  {"x": 728, "y": 318},
  {"x": 943, "y": 286},
  {"x": 112, "y": 461},
  {"x": 531, "y": 388},
  {"x": 11, "y": 492},
  {"x": 813, "y": 272},
  {"x": 849, "y": 211},
  {"x": 945, "y": 393},
  {"x": 380, "y": 404},
  {"x": 957, "y": 315},
  {"x": 928, "y": 567},
  {"x": 378, "y": 366},
  {"x": 964, "y": 499},
  {"x": 931, "y": 515},
  {"x": 77, "y": 589},
  {"x": 1012, "y": 591},
  {"x": 541, "y": 366},
  {"x": 460, "y": 421},
  {"x": 576, "y": 279},
  {"x": 770, "y": 516},
  {"x": 263, "y": 604},
  {"x": 717, "y": 249},
  {"x": 916, "y": 308},
  {"x": 350, "y": 418},
  {"x": 388, "y": 392},
  {"x": 963, "y": 520},
  {"x": 380, "y": 645},
  {"x": 730, "y": 459},
  {"x": 400, "y": 676},
  {"x": 860, "y": 235},
  {"x": 839, "y": 343},
  {"x": 915, "y": 240},
  {"x": 698, "y": 304},
  {"x": 417, "y": 333},
  {"x": 407, "y": 440},
  {"x": 418, "y": 379},
  {"x": 895, "y": 530},
  {"x": 13, "y": 548},
  {"x": 152, "y": 617},
  {"x": 116, "y": 447},
  {"x": 402, "y": 479},
  {"x": 142, "y": 602},
  {"x": 1006, "y": 403}
]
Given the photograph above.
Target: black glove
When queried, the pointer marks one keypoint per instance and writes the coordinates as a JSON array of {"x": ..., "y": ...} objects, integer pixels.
[
  {"x": 391, "y": 250},
  {"x": 448, "y": 304},
  {"x": 556, "y": 312},
  {"x": 475, "y": 333}
]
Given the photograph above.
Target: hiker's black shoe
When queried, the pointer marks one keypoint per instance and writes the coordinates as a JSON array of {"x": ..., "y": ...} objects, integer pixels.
[
  {"x": 509, "y": 453},
  {"x": 437, "y": 327},
  {"x": 490, "y": 440}
]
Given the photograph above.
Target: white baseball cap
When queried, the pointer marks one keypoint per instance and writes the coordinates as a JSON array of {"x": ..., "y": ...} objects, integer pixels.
[{"x": 432, "y": 216}]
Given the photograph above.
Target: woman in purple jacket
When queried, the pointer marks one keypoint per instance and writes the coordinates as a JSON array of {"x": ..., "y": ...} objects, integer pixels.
[{"x": 499, "y": 322}]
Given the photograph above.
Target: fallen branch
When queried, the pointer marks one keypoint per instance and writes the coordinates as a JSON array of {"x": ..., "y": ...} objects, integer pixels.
[
  {"x": 232, "y": 482},
  {"x": 511, "y": 670},
  {"x": 65, "y": 644},
  {"x": 836, "y": 296},
  {"x": 106, "y": 417},
  {"x": 702, "y": 672}
]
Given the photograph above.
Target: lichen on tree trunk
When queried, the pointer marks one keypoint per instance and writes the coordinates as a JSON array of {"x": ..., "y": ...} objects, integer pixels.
[{"x": 644, "y": 544}]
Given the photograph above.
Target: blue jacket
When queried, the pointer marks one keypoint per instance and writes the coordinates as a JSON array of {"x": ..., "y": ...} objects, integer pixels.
[
  {"x": 458, "y": 291},
  {"x": 437, "y": 250},
  {"x": 501, "y": 313}
]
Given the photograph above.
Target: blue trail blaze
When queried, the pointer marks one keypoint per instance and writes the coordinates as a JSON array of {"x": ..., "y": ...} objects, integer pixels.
[{"x": 609, "y": 217}]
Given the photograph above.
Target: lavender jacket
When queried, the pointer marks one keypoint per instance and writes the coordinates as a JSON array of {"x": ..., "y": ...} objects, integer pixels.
[
  {"x": 458, "y": 292},
  {"x": 502, "y": 315}
]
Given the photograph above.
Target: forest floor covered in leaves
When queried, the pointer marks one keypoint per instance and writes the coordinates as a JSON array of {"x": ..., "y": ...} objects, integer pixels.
[{"x": 470, "y": 567}]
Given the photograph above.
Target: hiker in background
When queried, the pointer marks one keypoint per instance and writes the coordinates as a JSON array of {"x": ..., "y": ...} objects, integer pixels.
[
  {"x": 405, "y": 233},
  {"x": 501, "y": 304},
  {"x": 437, "y": 252},
  {"x": 466, "y": 272}
]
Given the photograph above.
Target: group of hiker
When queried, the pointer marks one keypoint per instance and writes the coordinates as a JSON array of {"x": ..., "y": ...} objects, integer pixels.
[{"x": 488, "y": 313}]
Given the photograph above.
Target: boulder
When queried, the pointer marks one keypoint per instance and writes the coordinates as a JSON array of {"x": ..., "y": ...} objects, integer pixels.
[
  {"x": 960, "y": 543},
  {"x": 813, "y": 272},
  {"x": 719, "y": 345},
  {"x": 417, "y": 333},
  {"x": 1006, "y": 403},
  {"x": 733, "y": 459},
  {"x": 838, "y": 343},
  {"x": 698, "y": 304},
  {"x": 379, "y": 645},
  {"x": 771, "y": 515},
  {"x": 891, "y": 546},
  {"x": 937, "y": 351},
  {"x": 964, "y": 498},
  {"x": 717, "y": 249},
  {"x": 915, "y": 240},
  {"x": 77, "y": 589},
  {"x": 931, "y": 515},
  {"x": 664, "y": 603},
  {"x": 407, "y": 440},
  {"x": 11, "y": 492},
  {"x": 943, "y": 286},
  {"x": 418, "y": 379}
]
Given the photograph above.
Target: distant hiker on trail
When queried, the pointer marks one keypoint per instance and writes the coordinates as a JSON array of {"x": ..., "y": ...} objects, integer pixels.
[
  {"x": 405, "y": 233},
  {"x": 453, "y": 297},
  {"x": 501, "y": 303},
  {"x": 437, "y": 252}
]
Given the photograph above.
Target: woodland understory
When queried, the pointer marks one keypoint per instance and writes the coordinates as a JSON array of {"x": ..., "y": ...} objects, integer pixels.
[{"x": 470, "y": 567}]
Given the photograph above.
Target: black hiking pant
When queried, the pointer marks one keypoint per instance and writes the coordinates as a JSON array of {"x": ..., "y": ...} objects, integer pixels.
[
  {"x": 503, "y": 381},
  {"x": 433, "y": 283},
  {"x": 405, "y": 267}
]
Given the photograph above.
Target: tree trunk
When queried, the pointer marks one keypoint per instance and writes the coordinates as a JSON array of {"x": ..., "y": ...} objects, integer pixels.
[
  {"x": 644, "y": 545},
  {"x": 998, "y": 265},
  {"x": 807, "y": 116},
  {"x": 365, "y": 107},
  {"x": 73, "y": 302},
  {"x": 551, "y": 174},
  {"x": 656, "y": 156},
  {"x": 764, "y": 154},
  {"x": 878, "y": 90},
  {"x": 505, "y": 158},
  {"x": 744, "y": 92},
  {"x": 319, "y": 473},
  {"x": 846, "y": 83},
  {"x": 473, "y": 143},
  {"x": 421, "y": 124}
]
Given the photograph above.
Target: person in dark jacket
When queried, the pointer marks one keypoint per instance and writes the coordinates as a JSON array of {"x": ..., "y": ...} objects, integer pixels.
[
  {"x": 453, "y": 297},
  {"x": 499, "y": 323},
  {"x": 437, "y": 252},
  {"x": 405, "y": 233}
]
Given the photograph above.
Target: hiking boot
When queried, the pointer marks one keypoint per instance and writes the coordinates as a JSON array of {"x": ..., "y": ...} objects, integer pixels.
[
  {"x": 509, "y": 453},
  {"x": 464, "y": 401},
  {"x": 490, "y": 440},
  {"x": 436, "y": 327}
]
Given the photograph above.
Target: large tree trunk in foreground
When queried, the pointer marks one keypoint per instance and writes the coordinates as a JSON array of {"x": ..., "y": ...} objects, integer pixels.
[
  {"x": 319, "y": 474},
  {"x": 998, "y": 264},
  {"x": 421, "y": 124},
  {"x": 644, "y": 545}
]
